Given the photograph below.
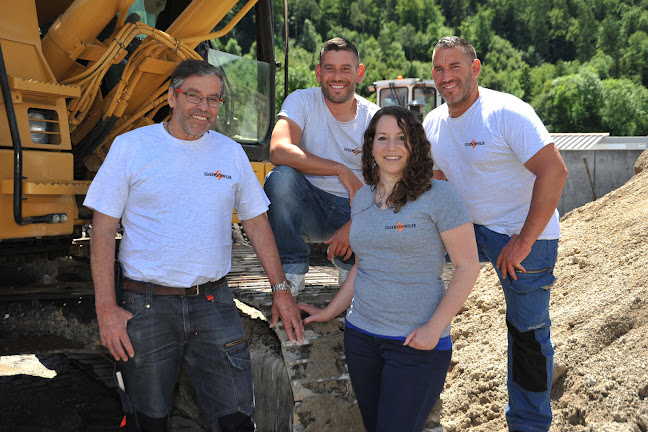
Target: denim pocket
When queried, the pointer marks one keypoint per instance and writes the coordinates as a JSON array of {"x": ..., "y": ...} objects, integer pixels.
[
  {"x": 238, "y": 355},
  {"x": 220, "y": 294},
  {"x": 539, "y": 265},
  {"x": 240, "y": 366},
  {"x": 134, "y": 303},
  {"x": 532, "y": 280}
]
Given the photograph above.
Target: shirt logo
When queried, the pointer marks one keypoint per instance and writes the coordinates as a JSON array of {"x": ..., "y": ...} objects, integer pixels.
[
  {"x": 356, "y": 151},
  {"x": 219, "y": 175},
  {"x": 400, "y": 226},
  {"x": 474, "y": 143}
]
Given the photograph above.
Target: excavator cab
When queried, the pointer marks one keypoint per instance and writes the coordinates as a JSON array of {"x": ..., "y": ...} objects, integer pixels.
[{"x": 416, "y": 94}]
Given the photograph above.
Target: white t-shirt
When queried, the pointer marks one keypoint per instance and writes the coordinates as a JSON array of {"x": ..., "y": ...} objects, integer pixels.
[
  {"x": 175, "y": 199},
  {"x": 326, "y": 137},
  {"x": 483, "y": 152}
]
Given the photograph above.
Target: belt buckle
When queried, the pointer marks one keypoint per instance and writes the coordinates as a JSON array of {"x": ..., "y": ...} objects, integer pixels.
[{"x": 195, "y": 290}]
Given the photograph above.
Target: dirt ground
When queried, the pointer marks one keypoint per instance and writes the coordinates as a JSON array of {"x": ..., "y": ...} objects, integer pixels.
[
  {"x": 599, "y": 312},
  {"x": 49, "y": 393}
]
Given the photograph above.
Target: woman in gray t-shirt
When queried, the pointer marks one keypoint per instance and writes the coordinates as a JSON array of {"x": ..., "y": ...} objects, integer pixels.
[{"x": 397, "y": 338}]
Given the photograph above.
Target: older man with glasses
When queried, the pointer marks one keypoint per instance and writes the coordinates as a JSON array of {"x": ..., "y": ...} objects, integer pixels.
[{"x": 174, "y": 186}]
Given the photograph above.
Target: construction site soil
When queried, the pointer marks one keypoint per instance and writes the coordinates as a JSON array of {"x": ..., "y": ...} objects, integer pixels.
[{"x": 599, "y": 311}]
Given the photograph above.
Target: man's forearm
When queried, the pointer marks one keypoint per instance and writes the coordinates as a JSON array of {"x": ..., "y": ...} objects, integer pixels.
[
  {"x": 304, "y": 161},
  {"x": 263, "y": 242},
  {"x": 102, "y": 257},
  {"x": 550, "y": 171},
  {"x": 544, "y": 200}
]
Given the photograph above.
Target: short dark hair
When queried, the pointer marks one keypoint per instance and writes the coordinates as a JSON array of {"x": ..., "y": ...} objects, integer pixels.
[
  {"x": 339, "y": 44},
  {"x": 418, "y": 171},
  {"x": 189, "y": 68},
  {"x": 457, "y": 42}
]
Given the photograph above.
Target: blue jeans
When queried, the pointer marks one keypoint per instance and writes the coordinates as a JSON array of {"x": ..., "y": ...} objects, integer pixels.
[
  {"x": 204, "y": 333},
  {"x": 396, "y": 386},
  {"x": 530, "y": 353},
  {"x": 299, "y": 213}
]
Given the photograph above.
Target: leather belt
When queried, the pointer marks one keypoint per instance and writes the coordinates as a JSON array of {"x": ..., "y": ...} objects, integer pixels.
[{"x": 140, "y": 287}]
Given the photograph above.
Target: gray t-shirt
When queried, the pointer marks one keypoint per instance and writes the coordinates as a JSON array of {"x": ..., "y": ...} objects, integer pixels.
[
  {"x": 400, "y": 259},
  {"x": 324, "y": 136}
]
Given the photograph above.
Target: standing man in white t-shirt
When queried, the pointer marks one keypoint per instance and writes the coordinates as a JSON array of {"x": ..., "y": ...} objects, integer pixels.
[
  {"x": 316, "y": 145},
  {"x": 501, "y": 159},
  {"x": 174, "y": 186}
]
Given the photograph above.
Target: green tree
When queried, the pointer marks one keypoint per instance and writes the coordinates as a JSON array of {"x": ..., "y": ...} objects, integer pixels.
[
  {"x": 560, "y": 25},
  {"x": 478, "y": 30},
  {"x": 358, "y": 17},
  {"x": 602, "y": 63},
  {"x": 541, "y": 78},
  {"x": 573, "y": 103},
  {"x": 309, "y": 39},
  {"x": 580, "y": 32},
  {"x": 634, "y": 19},
  {"x": 534, "y": 19},
  {"x": 561, "y": 55},
  {"x": 233, "y": 47},
  {"x": 407, "y": 36},
  {"x": 634, "y": 59},
  {"x": 410, "y": 12},
  {"x": 609, "y": 40},
  {"x": 301, "y": 11},
  {"x": 454, "y": 11},
  {"x": 625, "y": 107},
  {"x": 501, "y": 68}
]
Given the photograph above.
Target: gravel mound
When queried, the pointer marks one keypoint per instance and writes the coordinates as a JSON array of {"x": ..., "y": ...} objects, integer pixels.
[{"x": 599, "y": 311}]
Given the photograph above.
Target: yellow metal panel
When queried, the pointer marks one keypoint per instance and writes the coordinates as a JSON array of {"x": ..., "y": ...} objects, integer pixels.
[
  {"x": 77, "y": 187},
  {"x": 261, "y": 169},
  {"x": 20, "y": 39},
  {"x": 78, "y": 26},
  {"x": 157, "y": 66},
  {"x": 36, "y": 205},
  {"x": 41, "y": 165},
  {"x": 44, "y": 88},
  {"x": 200, "y": 17},
  {"x": 23, "y": 101},
  {"x": 51, "y": 169}
]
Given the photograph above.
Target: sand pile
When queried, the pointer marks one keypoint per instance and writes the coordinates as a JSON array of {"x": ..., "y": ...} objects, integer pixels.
[{"x": 599, "y": 310}]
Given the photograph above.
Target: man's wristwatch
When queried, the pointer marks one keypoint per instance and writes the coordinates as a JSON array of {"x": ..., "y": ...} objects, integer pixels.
[{"x": 283, "y": 286}]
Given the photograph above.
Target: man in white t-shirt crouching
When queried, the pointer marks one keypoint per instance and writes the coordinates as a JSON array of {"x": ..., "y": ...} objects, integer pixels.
[
  {"x": 316, "y": 145},
  {"x": 174, "y": 186}
]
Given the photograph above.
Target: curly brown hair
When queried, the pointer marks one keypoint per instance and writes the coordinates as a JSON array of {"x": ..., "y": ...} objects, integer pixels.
[{"x": 418, "y": 170}]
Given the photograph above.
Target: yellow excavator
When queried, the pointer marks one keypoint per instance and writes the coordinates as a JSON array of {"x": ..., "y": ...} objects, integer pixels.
[{"x": 77, "y": 73}]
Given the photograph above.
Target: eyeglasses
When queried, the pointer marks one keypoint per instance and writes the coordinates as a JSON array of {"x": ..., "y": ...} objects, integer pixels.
[{"x": 196, "y": 98}]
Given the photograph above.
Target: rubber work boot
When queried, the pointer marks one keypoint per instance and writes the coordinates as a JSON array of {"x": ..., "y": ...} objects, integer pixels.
[{"x": 297, "y": 283}]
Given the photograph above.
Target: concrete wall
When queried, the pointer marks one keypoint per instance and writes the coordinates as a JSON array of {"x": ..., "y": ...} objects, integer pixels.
[{"x": 609, "y": 169}]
